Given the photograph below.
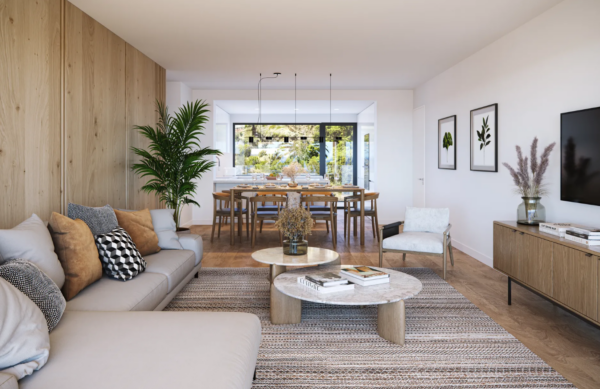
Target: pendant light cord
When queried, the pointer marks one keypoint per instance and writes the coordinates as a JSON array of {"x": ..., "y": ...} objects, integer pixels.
[{"x": 329, "y": 98}]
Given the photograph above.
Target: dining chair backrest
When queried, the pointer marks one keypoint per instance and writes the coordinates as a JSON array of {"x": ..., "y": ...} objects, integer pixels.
[
  {"x": 280, "y": 201},
  {"x": 308, "y": 200}
]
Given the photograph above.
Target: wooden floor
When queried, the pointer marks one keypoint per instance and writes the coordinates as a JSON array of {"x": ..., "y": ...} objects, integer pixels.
[{"x": 565, "y": 342}]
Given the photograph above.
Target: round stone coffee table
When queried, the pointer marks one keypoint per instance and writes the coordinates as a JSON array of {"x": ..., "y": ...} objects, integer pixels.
[
  {"x": 279, "y": 263},
  {"x": 389, "y": 298}
]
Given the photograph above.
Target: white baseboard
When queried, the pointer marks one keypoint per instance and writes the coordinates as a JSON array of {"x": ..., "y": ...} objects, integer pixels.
[
  {"x": 197, "y": 222},
  {"x": 474, "y": 253}
]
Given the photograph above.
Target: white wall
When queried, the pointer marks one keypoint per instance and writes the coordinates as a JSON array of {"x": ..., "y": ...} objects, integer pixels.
[
  {"x": 367, "y": 123},
  {"x": 394, "y": 151},
  {"x": 178, "y": 94},
  {"x": 548, "y": 66}
]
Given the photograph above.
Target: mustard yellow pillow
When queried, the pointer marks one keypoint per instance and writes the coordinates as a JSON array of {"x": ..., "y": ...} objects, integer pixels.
[
  {"x": 138, "y": 225},
  {"x": 77, "y": 253}
]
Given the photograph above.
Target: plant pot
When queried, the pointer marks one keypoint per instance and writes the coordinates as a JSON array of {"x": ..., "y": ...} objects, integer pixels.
[
  {"x": 183, "y": 230},
  {"x": 271, "y": 178},
  {"x": 292, "y": 184},
  {"x": 295, "y": 247},
  {"x": 531, "y": 211}
]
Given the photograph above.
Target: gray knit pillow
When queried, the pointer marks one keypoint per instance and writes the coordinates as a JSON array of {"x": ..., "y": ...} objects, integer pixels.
[
  {"x": 101, "y": 220},
  {"x": 40, "y": 289}
]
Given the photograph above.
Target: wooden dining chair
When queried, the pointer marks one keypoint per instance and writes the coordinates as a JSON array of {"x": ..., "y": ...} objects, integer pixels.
[
  {"x": 329, "y": 214},
  {"x": 259, "y": 213},
  {"x": 352, "y": 213},
  {"x": 222, "y": 211}
]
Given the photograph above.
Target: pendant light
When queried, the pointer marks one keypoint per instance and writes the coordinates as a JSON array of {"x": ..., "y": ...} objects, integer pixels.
[{"x": 259, "y": 120}]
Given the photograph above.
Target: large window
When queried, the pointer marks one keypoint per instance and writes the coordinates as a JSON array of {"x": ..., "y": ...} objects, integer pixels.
[{"x": 334, "y": 157}]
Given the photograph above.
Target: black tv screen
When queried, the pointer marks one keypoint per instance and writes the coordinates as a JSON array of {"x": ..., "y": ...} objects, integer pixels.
[{"x": 580, "y": 156}]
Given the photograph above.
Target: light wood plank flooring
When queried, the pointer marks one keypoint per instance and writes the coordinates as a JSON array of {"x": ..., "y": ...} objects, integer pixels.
[{"x": 565, "y": 342}]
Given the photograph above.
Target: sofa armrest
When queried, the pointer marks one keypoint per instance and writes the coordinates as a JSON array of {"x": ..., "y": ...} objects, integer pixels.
[
  {"x": 8, "y": 381},
  {"x": 192, "y": 242},
  {"x": 390, "y": 229}
]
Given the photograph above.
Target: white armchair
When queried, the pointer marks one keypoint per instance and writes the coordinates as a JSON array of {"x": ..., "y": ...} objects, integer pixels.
[{"x": 426, "y": 231}]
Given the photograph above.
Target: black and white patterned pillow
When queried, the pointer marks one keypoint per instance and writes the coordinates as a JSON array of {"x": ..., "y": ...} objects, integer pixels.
[
  {"x": 119, "y": 255},
  {"x": 36, "y": 285}
]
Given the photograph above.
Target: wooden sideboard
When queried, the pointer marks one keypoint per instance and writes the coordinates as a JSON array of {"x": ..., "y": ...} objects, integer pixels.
[{"x": 562, "y": 271}]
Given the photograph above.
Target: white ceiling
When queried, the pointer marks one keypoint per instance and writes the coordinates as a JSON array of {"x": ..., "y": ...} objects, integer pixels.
[
  {"x": 238, "y": 107},
  {"x": 366, "y": 44}
]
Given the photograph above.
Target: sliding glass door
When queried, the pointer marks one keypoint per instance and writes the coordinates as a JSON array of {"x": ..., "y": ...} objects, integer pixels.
[
  {"x": 324, "y": 149},
  {"x": 339, "y": 164}
]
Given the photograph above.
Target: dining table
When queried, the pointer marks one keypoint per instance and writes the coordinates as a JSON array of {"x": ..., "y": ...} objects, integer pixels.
[{"x": 298, "y": 189}]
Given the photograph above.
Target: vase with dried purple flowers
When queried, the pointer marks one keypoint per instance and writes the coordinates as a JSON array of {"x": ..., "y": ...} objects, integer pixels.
[{"x": 530, "y": 185}]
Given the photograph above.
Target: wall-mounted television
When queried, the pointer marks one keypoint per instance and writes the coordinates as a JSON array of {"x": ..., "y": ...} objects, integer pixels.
[{"x": 580, "y": 156}]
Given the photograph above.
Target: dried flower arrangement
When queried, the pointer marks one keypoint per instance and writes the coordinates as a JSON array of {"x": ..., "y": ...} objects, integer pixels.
[
  {"x": 293, "y": 170},
  {"x": 294, "y": 223},
  {"x": 531, "y": 185}
]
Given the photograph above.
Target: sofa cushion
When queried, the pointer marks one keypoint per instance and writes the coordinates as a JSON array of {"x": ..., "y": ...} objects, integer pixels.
[
  {"x": 100, "y": 219},
  {"x": 151, "y": 350},
  {"x": 36, "y": 285},
  {"x": 138, "y": 225},
  {"x": 173, "y": 264},
  {"x": 143, "y": 293},
  {"x": 165, "y": 228},
  {"x": 423, "y": 242},
  {"x": 31, "y": 240},
  {"x": 426, "y": 219},
  {"x": 192, "y": 242},
  {"x": 77, "y": 253},
  {"x": 119, "y": 255},
  {"x": 8, "y": 381},
  {"x": 24, "y": 341}
]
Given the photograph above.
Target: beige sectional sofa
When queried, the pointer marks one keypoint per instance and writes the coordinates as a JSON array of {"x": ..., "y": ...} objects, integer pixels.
[{"x": 101, "y": 343}]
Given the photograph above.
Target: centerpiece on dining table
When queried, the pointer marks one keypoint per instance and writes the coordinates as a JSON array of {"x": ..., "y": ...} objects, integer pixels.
[
  {"x": 295, "y": 224},
  {"x": 293, "y": 170}
]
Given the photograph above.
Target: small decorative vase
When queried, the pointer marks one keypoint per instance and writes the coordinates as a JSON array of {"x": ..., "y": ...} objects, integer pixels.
[
  {"x": 295, "y": 247},
  {"x": 292, "y": 184},
  {"x": 531, "y": 211}
]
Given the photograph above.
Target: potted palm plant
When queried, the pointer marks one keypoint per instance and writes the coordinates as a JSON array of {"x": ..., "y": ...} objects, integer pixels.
[{"x": 174, "y": 159}]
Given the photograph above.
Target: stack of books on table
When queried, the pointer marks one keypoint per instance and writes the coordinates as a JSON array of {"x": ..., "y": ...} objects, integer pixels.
[
  {"x": 326, "y": 282},
  {"x": 558, "y": 229},
  {"x": 585, "y": 235},
  {"x": 365, "y": 275}
]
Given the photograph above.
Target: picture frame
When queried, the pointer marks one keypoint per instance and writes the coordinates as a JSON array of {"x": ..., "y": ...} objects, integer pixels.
[
  {"x": 484, "y": 139},
  {"x": 447, "y": 143}
]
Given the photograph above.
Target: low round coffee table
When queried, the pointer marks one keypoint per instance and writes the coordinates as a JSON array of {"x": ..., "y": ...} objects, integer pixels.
[
  {"x": 389, "y": 298},
  {"x": 279, "y": 263}
]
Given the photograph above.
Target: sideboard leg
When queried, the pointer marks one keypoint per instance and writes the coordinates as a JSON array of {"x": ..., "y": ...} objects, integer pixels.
[{"x": 509, "y": 291}]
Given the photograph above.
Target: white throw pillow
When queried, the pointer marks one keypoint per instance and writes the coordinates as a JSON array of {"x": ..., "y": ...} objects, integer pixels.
[
  {"x": 426, "y": 219},
  {"x": 24, "y": 339},
  {"x": 165, "y": 228},
  {"x": 32, "y": 241}
]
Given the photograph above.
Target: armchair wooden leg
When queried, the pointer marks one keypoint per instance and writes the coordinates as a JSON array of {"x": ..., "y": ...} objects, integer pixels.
[
  {"x": 403, "y": 256},
  {"x": 327, "y": 225},
  {"x": 377, "y": 227},
  {"x": 380, "y": 258},
  {"x": 451, "y": 255},
  {"x": 261, "y": 224},
  {"x": 247, "y": 224},
  {"x": 445, "y": 261},
  {"x": 220, "y": 222}
]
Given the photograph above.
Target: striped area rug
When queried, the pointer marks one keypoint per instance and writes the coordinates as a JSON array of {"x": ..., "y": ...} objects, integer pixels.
[{"x": 450, "y": 343}]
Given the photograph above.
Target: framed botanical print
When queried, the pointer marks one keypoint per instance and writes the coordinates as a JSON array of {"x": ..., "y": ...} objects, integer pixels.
[
  {"x": 447, "y": 143},
  {"x": 484, "y": 139}
]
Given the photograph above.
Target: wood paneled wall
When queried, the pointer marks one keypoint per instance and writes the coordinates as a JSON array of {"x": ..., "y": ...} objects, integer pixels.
[
  {"x": 141, "y": 110},
  {"x": 30, "y": 90},
  {"x": 95, "y": 125},
  {"x": 70, "y": 91}
]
